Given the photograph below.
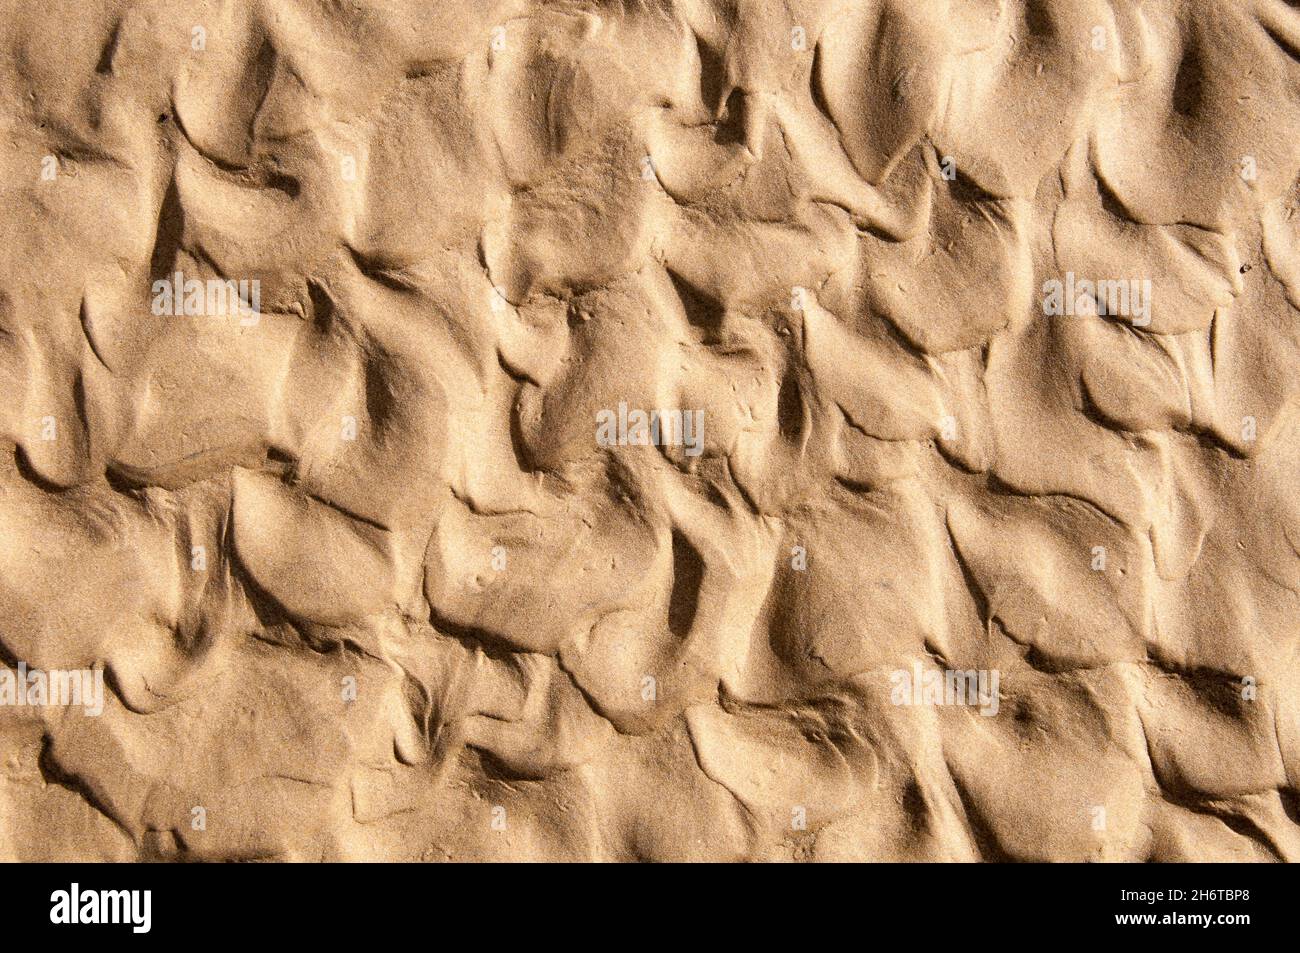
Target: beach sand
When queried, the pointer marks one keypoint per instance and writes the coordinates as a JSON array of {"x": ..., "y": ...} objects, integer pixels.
[{"x": 613, "y": 430}]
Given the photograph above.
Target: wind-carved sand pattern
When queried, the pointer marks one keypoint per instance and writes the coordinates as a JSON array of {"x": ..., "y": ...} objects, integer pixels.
[{"x": 651, "y": 429}]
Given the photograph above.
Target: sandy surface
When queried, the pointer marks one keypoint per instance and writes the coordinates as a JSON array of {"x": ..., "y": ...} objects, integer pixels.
[{"x": 650, "y": 429}]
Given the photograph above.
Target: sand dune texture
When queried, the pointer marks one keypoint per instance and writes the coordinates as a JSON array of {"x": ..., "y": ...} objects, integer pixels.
[{"x": 967, "y": 527}]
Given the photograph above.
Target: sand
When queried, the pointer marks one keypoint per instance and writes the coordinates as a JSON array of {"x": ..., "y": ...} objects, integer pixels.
[{"x": 611, "y": 430}]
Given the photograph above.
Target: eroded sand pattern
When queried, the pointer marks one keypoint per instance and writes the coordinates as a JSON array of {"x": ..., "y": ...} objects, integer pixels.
[{"x": 650, "y": 429}]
